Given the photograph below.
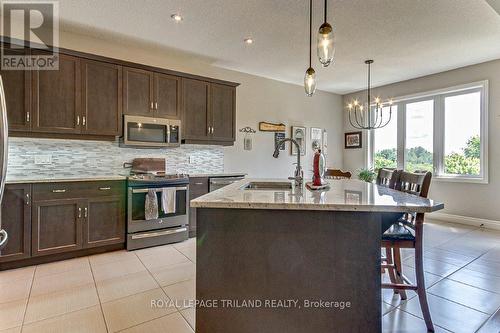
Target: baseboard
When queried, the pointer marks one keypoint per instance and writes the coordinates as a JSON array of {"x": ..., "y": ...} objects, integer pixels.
[{"x": 474, "y": 221}]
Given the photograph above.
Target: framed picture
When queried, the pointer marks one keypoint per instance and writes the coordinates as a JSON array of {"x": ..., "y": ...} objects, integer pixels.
[
  {"x": 316, "y": 138},
  {"x": 353, "y": 140},
  {"x": 299, "y": 135},
  {"x": 278, "y": 136}
]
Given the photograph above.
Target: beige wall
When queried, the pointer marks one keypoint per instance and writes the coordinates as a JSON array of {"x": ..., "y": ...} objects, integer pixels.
[
  {"x": 258, "y": 99},
  {"x": 466, "y": 199}
]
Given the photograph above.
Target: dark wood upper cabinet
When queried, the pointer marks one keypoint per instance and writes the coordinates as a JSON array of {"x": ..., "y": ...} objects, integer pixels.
[
  {"x": 138, "y": 92},
  {"x": 167, "y": 90},
  {"x": 16, "y": 220},
  {"x": 57, "y": 98},
  {"x": 56, "y": 226},
  {"x": 222, "y": 110},
  {"x": 17, "y": 87},
  {"x": 195, "y": 109},
  {"x": 102, "y": 98},
  {"x": 105, "y": 221}
]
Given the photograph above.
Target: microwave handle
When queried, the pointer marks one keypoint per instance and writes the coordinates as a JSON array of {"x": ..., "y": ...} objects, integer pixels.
[{"x": 168, "y": 133}]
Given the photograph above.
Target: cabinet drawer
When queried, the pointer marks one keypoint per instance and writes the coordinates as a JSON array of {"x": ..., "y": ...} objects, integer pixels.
[
  {"x": 66, "y": 190},
  {"x": 198, "y": 186}
]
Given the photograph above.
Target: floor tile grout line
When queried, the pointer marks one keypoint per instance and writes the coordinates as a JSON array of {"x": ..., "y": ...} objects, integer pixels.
[
  {"x": 411, "y": 314},
  {"x": 59, "y": 315},
  {"x": 185, "y": 319},
  {"x": 473, "y": 286},
  {"x": 147, "y": 321},
  {"x": 98, "y": 298},
  {"x": 481, "y": 326},
  {"x": 29, "y": 297},
  {"x": 467, "y": 306}
]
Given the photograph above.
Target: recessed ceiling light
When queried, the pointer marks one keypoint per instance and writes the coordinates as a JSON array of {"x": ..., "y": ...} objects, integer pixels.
[
  {"x": 176, "y": 17},
  {"x": 248, "y": 40}
]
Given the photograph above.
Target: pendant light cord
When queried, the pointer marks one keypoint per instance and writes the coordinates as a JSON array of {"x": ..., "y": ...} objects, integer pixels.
[
  {"x": 369, "y": 65},
  {"x": 310, "y": 32},
  {"x": 325, "y": 9}
]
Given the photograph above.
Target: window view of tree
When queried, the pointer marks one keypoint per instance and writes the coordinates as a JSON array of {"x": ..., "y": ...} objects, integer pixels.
[
  {"x": 419, "y": 136},
  {"x": 462, "y": 155},
  {"x": 385, "y": 145}
]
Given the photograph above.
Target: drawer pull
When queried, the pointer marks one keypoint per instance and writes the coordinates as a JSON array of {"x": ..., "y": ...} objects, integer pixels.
[
  {"x": 86, "y": 210},
  {"x": 104, "y": 188},
  {"x": 159, "y": 233},
  {"x": 199, "y": 184},
  {"x": 59, "y": 191},
  {"x": 79, "y": 212}
]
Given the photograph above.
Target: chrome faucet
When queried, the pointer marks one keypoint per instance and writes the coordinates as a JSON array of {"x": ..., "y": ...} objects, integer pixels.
[{"x": 299, "y": 174}]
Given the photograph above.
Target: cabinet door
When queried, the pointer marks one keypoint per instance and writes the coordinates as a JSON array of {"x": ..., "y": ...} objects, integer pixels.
[
  {"x": 16, "y": 220},
  {"x": 195, "y": 109},
  {"x": 105, "y": 221},
  {"x": 167, "y": 96},
  {"x": 198, "y": 186},
  {"x": 57, "y": 97},
  {"x": 56, "y": 226},
  {"x": 102, "y": 98},
  {"x": 17, "y": 87},
  {"x": 222, "y": 110},
  {"x": 137, "y": 92}
]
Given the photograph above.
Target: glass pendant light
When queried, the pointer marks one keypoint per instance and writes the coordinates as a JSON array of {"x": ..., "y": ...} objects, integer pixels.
[
  {"x": 326, "y": 49},
  {"x": 310, "y": 76}
]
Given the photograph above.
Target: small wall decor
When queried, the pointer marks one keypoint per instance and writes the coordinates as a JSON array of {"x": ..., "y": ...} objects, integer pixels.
[
  {"x": 299, "y": 135},
  {"x": 278, "y": 136},
  {"x": 316, "y": 138},
  {"x": 353, "y": 140},
  {"x": 247, "y": 139},
  {"x": 270, "y": 127}
]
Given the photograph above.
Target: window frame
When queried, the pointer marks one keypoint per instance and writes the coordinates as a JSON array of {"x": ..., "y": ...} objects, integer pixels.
[{"x": 438, "y": 96}]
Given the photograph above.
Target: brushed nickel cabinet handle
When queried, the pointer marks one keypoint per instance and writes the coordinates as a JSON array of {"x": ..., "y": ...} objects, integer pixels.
[
  {"x": 77, "y": 120},
  {"x": 156, "y": 105},
  {"x": 198, "y": 183},
  {"x": 28, "y": 117},
  {"x": 79, "y": 212},
  {"x": 86, "y": 210},
  {"x": 59, "y": 191},
  {"x": 28, "y": 199},
  {"x": 104, "y": 188},
  {"x": 152, "y": 106},
  {"x": 84, "y": 121}
]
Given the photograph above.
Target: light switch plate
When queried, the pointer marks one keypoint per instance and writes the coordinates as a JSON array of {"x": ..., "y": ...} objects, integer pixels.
[{"x": 43, "y": 159}]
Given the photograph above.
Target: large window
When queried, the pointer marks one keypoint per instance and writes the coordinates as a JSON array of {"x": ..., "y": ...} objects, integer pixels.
[{"x": 442, "y": 131}]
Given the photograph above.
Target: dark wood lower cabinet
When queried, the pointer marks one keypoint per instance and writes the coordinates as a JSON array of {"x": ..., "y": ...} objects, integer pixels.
[
  {"x": 16, "y": 220},
  {"x": 105, "y": 221},
  {"x": 57, "y": 226}
]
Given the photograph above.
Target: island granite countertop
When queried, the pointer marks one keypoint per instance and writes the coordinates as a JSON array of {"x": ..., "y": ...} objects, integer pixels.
[{"x": 342, "y": 195}]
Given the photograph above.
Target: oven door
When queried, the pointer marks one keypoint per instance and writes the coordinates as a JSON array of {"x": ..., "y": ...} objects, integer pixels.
[
  {"x": 136, "y": 207},
  {"x": 146, "y": 131}
]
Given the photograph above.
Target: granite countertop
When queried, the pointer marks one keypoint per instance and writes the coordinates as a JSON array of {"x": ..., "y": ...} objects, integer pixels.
[
  {"x": 59, "y": 179},
  {"x": 342, "y": 195}
]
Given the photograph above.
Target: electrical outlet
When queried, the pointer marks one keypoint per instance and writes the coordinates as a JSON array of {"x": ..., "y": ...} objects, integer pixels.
[{"x": 43, "y": 159}]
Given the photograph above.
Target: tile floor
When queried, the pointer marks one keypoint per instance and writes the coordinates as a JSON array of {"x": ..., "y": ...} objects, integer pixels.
[{"x": 112, "y": 292}]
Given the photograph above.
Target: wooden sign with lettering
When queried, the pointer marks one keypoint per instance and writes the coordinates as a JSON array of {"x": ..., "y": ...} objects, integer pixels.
[{"x": 270, "y": 127}]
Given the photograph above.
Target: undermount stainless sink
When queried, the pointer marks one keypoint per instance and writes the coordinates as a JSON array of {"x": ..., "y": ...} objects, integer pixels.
[{"x": 268, "y": 186}]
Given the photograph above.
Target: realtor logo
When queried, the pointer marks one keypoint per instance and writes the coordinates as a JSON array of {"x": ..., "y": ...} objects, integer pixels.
[{"x": 32, "y": 25}]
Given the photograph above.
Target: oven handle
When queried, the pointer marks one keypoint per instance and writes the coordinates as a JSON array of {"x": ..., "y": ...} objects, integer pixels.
[
  {"x": 159, "y": 233},
  {"x": 145, "y": 190}
]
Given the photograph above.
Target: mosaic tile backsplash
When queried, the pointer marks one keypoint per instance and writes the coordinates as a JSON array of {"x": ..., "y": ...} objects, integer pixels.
[{"x": 76, "y": 158}]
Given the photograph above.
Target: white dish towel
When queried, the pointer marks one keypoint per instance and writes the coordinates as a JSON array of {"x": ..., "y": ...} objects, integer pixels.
[{"x": 168, "y": 200}]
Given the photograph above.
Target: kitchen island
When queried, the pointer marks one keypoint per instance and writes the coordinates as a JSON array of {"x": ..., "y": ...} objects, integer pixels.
[{"x": 272, "y": 257}]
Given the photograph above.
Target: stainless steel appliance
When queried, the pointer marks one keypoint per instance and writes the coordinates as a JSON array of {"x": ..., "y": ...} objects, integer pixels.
[
  {"x": 167, "y": 228},
  {"x": 151, "y": 132},
  {"x": 219, "y": 182},
  {"x": 4, "y": 147}
]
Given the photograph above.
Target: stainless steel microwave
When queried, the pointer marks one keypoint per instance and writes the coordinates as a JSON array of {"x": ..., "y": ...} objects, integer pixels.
[{"x": 151, "y": 132}]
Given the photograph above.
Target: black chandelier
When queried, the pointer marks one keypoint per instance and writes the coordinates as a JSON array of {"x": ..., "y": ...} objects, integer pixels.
[{"x": 369, "y": 116}]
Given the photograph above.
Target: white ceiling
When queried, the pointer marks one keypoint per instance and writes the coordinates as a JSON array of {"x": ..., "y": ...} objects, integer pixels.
[{"x": 407, "y": 38}]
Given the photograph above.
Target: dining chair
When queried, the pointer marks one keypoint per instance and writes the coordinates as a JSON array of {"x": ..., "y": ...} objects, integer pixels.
[
  {"x": 407, "y": 232},
  {"x": 337, "y": 174}
]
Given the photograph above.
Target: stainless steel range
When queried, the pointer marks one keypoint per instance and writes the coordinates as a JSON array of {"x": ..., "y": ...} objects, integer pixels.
[{"x": 158, "y": 205}]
